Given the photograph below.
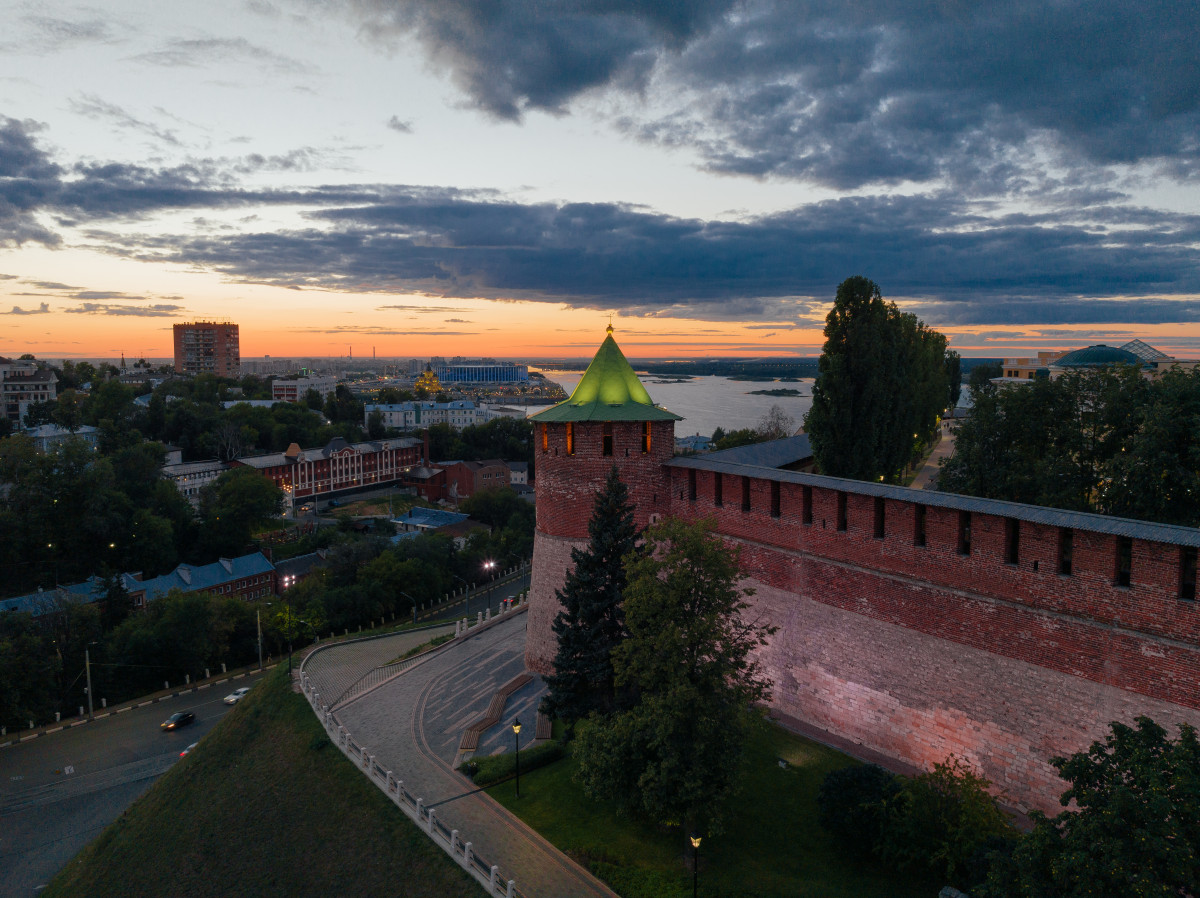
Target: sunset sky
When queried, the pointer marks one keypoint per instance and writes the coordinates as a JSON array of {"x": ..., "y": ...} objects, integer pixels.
[{"x": 495, "y": 177}]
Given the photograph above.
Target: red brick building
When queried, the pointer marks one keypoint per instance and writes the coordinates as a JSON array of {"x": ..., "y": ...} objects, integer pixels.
[
  {"x": 465, "y": 478},
  {"x": 916, "y": 623},
  {"x": 338, "y": 466},
  {"x": 208, "y": 347}
]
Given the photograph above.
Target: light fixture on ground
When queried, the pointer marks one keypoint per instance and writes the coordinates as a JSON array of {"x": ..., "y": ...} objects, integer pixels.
[
  {"x": 517, "y": 743},
  {"x": 695, "y": 839}
]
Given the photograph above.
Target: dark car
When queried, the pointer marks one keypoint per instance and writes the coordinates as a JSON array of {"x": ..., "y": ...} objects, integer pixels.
[{"x": 178, "y": 719}]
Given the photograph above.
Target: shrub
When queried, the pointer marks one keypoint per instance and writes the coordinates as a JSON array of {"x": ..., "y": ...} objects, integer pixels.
[
  {"x": 493, "y": 769},
  {"x": 936, "y": 821},
  {"x": 852, "y": 802}
]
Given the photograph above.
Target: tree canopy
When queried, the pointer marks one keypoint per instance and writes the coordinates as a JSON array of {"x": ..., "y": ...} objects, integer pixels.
[
  {"x": 1103, "y": 440},
  {"x": 1135, "y": 829},
  {"x": 882, "y": 383},
  {"x": 673, "y": 757}
]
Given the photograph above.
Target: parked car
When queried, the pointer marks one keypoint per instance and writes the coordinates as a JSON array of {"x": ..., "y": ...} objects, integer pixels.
[
  {"x": 237, "y": 695},
  {"x": 178, "y": 719}
]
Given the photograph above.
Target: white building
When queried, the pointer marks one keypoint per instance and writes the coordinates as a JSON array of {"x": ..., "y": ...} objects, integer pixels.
[
  {"x": 295, "y": 389},
  {"x": 190, "y": 477},
  {"x": 23, "y": 382},
  {"x": 416, "y": 415}
]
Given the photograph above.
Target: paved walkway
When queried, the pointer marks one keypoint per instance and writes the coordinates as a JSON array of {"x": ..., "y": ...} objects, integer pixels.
[
  {"x": 926, "y": 478},
  {"x": 334, "y": 670},
  {"x": 413, "y": 725}
]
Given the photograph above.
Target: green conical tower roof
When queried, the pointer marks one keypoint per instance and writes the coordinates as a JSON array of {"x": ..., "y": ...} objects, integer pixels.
[{"x": 609, "y": 391}]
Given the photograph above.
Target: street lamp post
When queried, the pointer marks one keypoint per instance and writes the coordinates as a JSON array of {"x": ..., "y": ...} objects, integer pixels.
[
  {"x": 414, "y": 603},
  {"x": 489, "y": 567},
  {"x": 87, "y": 666},
  {"x": 517, "y": 744},
  {"x": 258, "y": 621},
  {"x": 695, "y": 839}
]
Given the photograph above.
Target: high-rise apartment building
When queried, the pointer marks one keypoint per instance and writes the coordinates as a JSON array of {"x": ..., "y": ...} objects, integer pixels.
[{"x": 206, "y": 347}]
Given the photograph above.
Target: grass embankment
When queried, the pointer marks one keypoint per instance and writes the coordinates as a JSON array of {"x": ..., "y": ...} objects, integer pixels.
[
  {"x": 771, "y": 847},
  {"x": 264, "y": 806}
]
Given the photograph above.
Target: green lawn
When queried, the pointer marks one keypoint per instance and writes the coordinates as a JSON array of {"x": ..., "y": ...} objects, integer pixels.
[
  {"x": 772, "y": 844},
  {"x": 264, "y": 806}
]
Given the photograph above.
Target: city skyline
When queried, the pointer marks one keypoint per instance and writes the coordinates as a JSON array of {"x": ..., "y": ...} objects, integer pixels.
[{"x": 458, "y": 178}]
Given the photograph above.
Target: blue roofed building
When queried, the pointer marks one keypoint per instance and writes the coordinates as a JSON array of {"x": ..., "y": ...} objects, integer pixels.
[{"x": 248, "y": 577}]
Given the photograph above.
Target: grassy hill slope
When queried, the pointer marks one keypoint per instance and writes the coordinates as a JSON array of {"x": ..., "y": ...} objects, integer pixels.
[{"x": 264, "y": 806}]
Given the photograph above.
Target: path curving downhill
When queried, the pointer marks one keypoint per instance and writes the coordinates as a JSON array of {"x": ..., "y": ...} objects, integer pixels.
[{"x": 413, "y": 724}]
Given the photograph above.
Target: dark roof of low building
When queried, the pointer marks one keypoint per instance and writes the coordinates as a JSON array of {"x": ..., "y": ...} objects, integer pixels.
[
  {"x": 769, "y": 454},
  {"x": 1097, "y": 356}
]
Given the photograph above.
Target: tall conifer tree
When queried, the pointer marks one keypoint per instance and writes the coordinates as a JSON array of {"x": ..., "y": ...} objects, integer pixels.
[{"x": 592, "y": 621}]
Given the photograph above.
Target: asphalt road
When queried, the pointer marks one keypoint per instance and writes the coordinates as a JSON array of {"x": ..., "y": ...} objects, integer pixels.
[{"x": 57, "y": 792}]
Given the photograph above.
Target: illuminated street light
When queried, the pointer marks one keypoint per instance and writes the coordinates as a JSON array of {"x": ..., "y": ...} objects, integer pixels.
[
  {"x": 517, "y": 742},
  {"x": 695, "y": 839}
]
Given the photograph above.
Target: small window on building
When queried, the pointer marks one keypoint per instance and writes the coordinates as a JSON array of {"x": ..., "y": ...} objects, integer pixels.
[
  {"x": 806, "y": 502},
  {"x": 1124, "y": 560},
  {"x": 718, "y": 499},
  {"x": 646, "y": 436},
  {"x": 570, "y": 438},
  {"x": 1012, "y": 541},
  {"x": 1187, "y": 573},
  {"x": 692, "y": 484},
  {"x": 1066, "y": 550},
  {"x": 841, "y": 511},
  {"x": 879, "y": 517},
  {"x": 608, "y": 438},
  {"x": 545, "y": 439},
  {"x": 964, "y": 533},
  {"x": 918, "y": 525},
  {"x": 745, "y": 493},
  {"x": 774, "y": 498}
]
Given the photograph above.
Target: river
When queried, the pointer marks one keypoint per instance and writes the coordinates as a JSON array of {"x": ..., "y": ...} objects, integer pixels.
[{"x": 707, "y": 403}]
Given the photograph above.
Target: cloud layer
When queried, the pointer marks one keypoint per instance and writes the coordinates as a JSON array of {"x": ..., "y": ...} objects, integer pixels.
[
  {"x": 984, "y": 96},
  {"x": 956, "y": 259}
]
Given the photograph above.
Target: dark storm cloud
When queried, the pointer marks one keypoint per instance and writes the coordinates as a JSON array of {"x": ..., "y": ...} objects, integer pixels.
[
  {"x": 955, "y": 260},
  {"x": 980, "y": 95},
  {"x": 527, "y": 54},
  {"x": 961, "y": 265}
]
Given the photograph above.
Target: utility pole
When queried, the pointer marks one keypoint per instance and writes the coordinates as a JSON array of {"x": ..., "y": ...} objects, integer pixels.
[
  {"x": 87, "y": 666},
  {"x": 258, "y": 620}
]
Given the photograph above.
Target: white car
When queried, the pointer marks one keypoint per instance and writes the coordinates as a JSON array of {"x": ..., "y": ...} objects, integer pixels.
[{"x": 237, "y": 695}]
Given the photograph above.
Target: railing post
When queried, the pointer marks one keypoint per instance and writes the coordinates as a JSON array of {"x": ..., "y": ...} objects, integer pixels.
[
  {"x": 512, "y": 889},
  {"x": 492, "y": 879},
  {"x": 453, "y": 842},
  {"x": 432, "y": 815},
  {"x": 467, "y": 855}
]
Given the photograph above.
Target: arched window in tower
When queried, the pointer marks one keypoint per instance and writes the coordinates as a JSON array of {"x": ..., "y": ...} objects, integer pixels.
[
  {"x": 608, "y": 438},
  {"x": 545, "y": 439},
  {"x": 646, "y": 436},
  {"x": 570, "y": 438}
]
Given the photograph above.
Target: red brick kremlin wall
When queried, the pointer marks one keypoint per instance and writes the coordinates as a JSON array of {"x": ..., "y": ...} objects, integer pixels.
[{"x": 973, "y": 643}]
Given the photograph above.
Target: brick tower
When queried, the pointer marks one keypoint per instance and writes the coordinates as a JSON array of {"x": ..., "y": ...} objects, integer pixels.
[{"x": 609, "y": 420}]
